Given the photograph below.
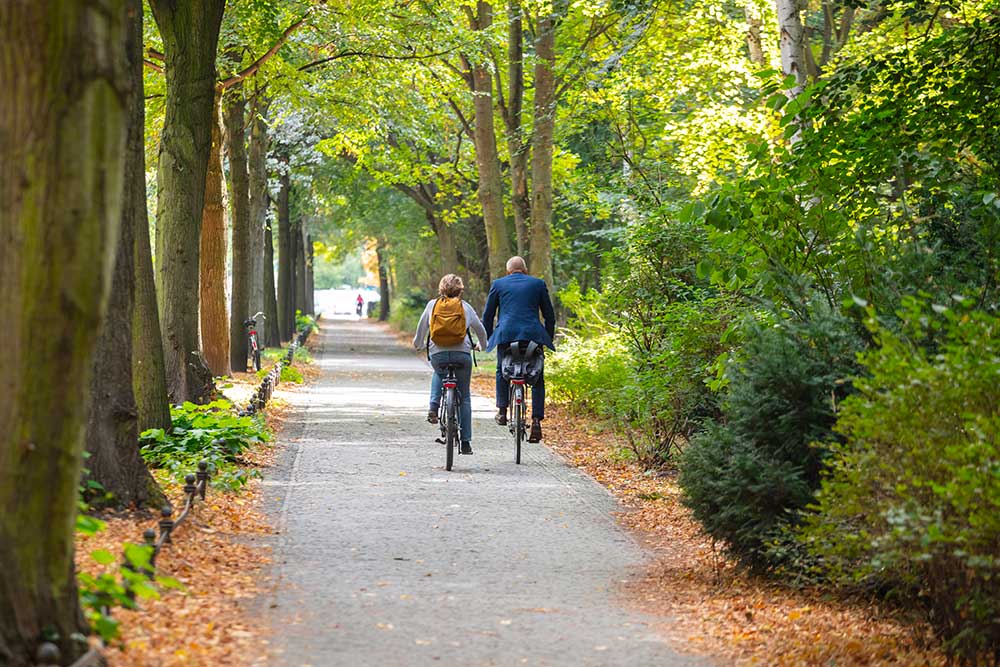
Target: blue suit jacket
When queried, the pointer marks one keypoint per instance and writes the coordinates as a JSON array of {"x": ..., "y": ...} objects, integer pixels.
[{"x": 518, "y": 298}]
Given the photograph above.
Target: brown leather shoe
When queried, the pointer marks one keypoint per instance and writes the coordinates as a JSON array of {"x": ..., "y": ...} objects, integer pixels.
[
  {"x": 501, "y": 417},
  {"x": 432, "y": 416},
  {"x": 536, "y": 431}
]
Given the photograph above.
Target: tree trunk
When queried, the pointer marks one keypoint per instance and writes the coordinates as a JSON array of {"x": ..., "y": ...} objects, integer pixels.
[
  {"x": 239, "y": 196},
  {"x": 149, "y": 380},
  {"x": 112, "y": 435},
  {"x": 446, "y": 242},
  {"x": 487, "y": 159},
  {"x": 286, "y": 290},
  {"x": 62, "y": 148},
  {"x": 310, "y": 283},
  {"x": 383, "y": 282},
  {"x": 755, "y": 46},
  {"x": 299, "y": 273},
  {"x": 272, "y": 325},
  {"x": 214, "y": 319},
  {"x": 791, "y": 43},
  {"x": 190, "y": 32},
  {"x": 262, "y": 234},
  {"x": 516, "y": 146},
  {"x": 541, "y": 150}
]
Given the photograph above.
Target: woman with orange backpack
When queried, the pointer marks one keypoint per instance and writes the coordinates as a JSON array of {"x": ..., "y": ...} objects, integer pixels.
[{"x": 445, "y": 329}]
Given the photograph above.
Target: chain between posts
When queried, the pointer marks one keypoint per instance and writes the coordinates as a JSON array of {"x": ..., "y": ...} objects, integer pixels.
[{"x": 266, "y": 388}]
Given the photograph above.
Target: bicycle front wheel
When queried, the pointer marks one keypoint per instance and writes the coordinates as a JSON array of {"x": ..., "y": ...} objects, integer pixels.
[{"x": 451, "y": 427}]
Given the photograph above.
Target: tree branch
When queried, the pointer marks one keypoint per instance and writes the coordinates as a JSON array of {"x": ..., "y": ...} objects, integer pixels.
[{"x": 256, "y": 65}]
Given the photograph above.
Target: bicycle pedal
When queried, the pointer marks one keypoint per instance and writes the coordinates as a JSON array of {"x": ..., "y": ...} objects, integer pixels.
[{"x": 439, "y": 441}]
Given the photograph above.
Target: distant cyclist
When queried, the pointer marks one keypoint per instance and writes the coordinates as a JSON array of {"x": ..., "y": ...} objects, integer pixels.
[
  {"x": 444, "y": 329},
  {"x": 515, "y": 300},
  {"x": 361, "y": 304}
]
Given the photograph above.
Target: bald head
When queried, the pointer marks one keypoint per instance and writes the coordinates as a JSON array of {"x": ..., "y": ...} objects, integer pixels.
[{"x": 516, "y": 265}]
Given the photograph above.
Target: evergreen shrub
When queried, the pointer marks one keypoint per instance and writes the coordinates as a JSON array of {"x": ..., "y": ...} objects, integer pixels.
[{"x": 746, "y": 476}]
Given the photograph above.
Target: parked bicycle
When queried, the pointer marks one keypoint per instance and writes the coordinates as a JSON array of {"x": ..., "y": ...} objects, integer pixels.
[
  {"x": 521, "y": 367},
  {"x": 449, "y": 414},
  {"x": 253, "y": 344}
]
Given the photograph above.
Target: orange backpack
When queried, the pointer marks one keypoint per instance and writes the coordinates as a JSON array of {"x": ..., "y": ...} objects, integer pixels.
[{"x": 448, "y": 327}]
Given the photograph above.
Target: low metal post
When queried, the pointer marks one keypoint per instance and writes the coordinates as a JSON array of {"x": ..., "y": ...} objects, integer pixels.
[
  {"x": 202, "y": 477},
  {"x": 48, "y": 655},
  {"x": 190, "y": 489},
  {"x": 166, "y": 523}
]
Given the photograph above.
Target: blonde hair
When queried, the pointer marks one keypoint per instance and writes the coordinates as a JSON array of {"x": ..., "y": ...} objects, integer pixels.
[{"x": 451, "y": 286}]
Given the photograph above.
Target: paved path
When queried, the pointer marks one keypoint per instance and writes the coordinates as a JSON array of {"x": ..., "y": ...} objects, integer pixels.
[{"x": 384, "y": 558}]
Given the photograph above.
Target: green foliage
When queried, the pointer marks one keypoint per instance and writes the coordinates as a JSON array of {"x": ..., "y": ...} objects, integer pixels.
[
  {"x": 209, "y": 432},
  {"x": 119, "y": 587},
  {"x": 406, "y": 311},
  {"x": 746, "y": 476},
  {"x": 305, "y": 322},
  {"x": 911, "y": 497},
  {"x": 301, "y": 355}
]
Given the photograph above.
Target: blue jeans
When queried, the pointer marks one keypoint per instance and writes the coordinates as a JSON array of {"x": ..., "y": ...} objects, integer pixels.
[
  {"x": 503, "y": 388},
  {"x": 464, "y": 375}
]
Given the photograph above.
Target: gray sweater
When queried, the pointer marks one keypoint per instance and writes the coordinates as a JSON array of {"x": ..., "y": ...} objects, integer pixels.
[{"x": 472, "y": 321}]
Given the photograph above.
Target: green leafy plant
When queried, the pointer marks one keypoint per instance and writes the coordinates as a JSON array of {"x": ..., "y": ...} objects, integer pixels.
[
  {"x": 747, "y": 475},
  {"x": 119, "y": 587},
  {"x": 305, "y": 322},
  {"x": 210, "y": 432},
  {"x": 911, "y": 497}
]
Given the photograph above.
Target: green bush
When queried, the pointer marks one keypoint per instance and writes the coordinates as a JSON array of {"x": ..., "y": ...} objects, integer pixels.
[
  {"x": 911, "y": 498},
  {"x": 305, "y": 322},
  {"x": 746, "y": 476},
  {"x": 589, "y": 374},
  {"x": 204, "y": 432}
]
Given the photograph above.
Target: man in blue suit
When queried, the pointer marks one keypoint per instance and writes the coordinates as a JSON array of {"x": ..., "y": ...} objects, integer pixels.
[{"x": 518, "y": 298}]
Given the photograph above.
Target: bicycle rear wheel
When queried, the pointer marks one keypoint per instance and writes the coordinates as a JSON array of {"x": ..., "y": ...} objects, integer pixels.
[
  {"x": 518, "y": 422},
  {"x": 451, "y": 428}
]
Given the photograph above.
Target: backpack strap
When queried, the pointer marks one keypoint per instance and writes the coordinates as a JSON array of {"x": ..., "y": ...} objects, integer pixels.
[{"x": 427, "y": 343}]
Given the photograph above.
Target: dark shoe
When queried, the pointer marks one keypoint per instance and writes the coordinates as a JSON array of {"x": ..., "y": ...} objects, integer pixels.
[
  {"x": 466, "y": 447},
  {"x": 501, "y": 417},
  {"x": 432, "y": 416},
  {"x": 536, "y": 431}
]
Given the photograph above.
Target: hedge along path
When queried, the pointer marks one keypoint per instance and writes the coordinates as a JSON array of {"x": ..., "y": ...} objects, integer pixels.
[{"x": 382, "y": 557}]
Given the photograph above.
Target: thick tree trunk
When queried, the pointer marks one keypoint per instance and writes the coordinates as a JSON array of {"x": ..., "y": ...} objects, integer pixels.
[
  {"x": 299, "y": 267},
  {"x": 214, "y": 319},
  {"x": 239, "y": 196},
  {"x": 310, "y": 284},
  {"x": 257, "y": 171},
  {"x": 383, "y": 282},
  {"x": 62, "y": 148},
  {"x": 487, "y": 159},
  {"x": 112, "y": 435},
  {"x": 149, "y": 380},
  {"x": 541, "y": 150},
  {"x": 262, "y": 297},
  {"x": 190, "y": 32},
  {"x": 516, "y": 145},
  {"x": 446, "y": 242},
  {"x": 272, "y": 328},
  {"x": 286, "y": 286}
]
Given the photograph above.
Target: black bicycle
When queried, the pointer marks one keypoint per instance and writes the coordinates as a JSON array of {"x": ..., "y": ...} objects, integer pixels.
[
  {"x": 449, "y": 415},
  {"x": 521, "y": 366},
  {"x": 253, "y": 346}
]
